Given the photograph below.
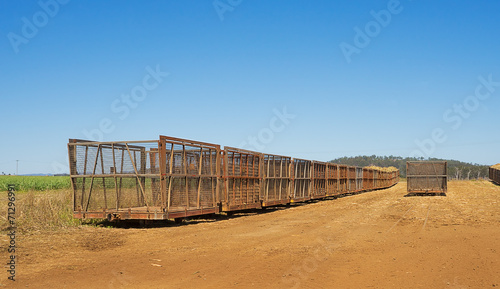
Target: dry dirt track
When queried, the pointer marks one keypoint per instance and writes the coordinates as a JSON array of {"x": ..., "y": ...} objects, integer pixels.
[{"x": 377, "y": 239}]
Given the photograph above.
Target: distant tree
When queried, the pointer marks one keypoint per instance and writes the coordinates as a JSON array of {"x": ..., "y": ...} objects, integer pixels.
[{"x": 456, "y": 169}]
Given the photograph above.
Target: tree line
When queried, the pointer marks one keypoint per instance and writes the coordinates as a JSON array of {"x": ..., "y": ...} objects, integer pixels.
[{"x": 456, "y": 169}]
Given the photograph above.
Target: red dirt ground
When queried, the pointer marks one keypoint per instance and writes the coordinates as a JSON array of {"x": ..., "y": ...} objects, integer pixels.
[{"x": 378, "y": 239}]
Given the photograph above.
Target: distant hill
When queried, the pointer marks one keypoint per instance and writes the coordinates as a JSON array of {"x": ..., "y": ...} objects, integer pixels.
[{"x": 456, "y": 169}]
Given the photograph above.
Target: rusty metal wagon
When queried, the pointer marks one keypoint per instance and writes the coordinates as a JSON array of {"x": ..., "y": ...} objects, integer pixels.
[
  {"x": 494, "y": 174},
  {"x": 161, "y": 179},
  {"x": 427, "y": 177}
]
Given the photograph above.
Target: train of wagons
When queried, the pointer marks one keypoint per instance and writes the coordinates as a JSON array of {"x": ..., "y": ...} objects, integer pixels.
[{"x": 172, "y": 178}]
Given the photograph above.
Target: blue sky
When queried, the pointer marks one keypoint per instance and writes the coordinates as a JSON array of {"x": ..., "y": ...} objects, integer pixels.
[{"x": 419, "y": 77}]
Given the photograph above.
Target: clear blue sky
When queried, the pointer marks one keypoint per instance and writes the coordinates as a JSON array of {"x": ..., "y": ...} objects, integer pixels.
[{"x": 412, "y": 71}]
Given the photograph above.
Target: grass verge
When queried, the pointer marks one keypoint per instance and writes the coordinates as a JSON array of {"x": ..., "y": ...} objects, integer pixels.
[
  {"x": 35, "y": 183},
  {"x": 40, "y": 210}
]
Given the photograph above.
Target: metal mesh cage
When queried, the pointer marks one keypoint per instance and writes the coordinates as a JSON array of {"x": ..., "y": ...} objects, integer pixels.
[
  {"x": 191, "y": 175},
  {"x": 367, "y": 179},
  {"x": 359, "y": 179},
  {"x": 319, "y": 179},
  {"x": 494, "y": 175},
  {"x": 333, "y": 179},
  {"x": 427, "y": 177},
  {"x": 343, "y": 181},
  {"x": 276, "y": 180},
  {"x": 242, "y": 178},
  {"x": 351, "y": 179},
  {"x": 302, "y": 179},
  {"x": 114, "y": 175}
]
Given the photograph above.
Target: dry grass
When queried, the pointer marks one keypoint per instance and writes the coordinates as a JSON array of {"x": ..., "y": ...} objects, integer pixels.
[
  {"x": 497, "y": 166},
  {"x": 39, "y": 211}
]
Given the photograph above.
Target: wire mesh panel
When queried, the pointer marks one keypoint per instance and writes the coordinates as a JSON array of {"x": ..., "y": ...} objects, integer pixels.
[
  {"x": 351, "y": 179},
  {"x": 376, "y": 179},
  {"x": 191, "y": 173},
  {"x": 382, "y": 179},
  {"x": 359, "y": 179},
  {"x": 343, "y": 180},
  {"x": 242, "y": 174},
  {"x": 301, "y": 179},
  {"x": 319, "y": 180},
  {"x": 427, "y": 177},
  {"x": 494, "y": 175},
  {"x": 367, "y": 179},
  {"x": 114, "y": 175},
  {"x": 388, "y": 178},
  {"x": 276, "y": 180},
  {"x": 393, "y": 178},
  {"x": 332, "y": 187}
]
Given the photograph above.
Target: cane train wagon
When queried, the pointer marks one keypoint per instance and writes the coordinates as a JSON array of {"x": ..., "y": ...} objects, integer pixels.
[
  {"x": 427, "y": 177},
  {"x": 495, "y": 173},
  {"x": 172, "y": 178}
]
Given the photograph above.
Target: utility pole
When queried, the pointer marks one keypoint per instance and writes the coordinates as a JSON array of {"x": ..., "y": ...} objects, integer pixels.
[{"x": 17, "y": 167}]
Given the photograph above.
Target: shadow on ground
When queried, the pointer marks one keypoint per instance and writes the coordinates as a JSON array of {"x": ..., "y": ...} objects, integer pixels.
[{"x": 425, "y": 195}]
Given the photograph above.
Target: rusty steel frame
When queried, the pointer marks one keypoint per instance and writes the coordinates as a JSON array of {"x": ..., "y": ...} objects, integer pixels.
[
  {"x": 423, "y": 177},
  {"x": 368, "y": 176},
  {"x": 242, "y": 178},
  {"x": 191, "y": 171},
  {"x": 351, "y": 179},
  {"x": 82, "y": 208},
  {"x": 319, "y": 180},
  {"x": 332, "y": 172},
  {"x": 172, "y": 178},
  {"x": 276, "y": 180},
  {"x": 494, "y": 175},
  {"x": 343, "y": 179},
  {"x": 359, "y": 179},
  {"x": 302, "y": 181}
]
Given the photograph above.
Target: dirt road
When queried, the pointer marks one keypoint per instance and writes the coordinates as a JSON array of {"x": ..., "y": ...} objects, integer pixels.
[{"x": 377, "y": 239}]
